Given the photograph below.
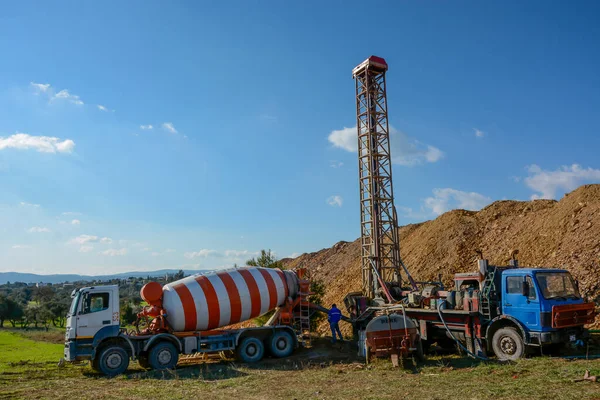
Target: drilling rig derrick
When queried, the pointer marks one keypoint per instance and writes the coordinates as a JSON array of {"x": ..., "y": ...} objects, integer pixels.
[{"x": 380, "y": 251}]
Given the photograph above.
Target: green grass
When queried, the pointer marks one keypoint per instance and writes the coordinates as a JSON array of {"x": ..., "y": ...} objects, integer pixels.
[
  {"x": 319, "y": 373},
  {"x": 15, "y": 351}
]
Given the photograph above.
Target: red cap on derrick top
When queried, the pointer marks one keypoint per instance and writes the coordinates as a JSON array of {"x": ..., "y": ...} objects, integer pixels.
[
  {"x": 372, "y": 62},
  {"x": 152, "y": 293}
]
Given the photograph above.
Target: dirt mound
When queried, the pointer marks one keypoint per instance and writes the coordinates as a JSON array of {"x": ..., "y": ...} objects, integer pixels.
[{"x": 549, "y": 233}]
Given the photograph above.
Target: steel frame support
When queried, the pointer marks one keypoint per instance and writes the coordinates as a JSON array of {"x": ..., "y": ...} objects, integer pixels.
[{"x": 379, "y": 235}]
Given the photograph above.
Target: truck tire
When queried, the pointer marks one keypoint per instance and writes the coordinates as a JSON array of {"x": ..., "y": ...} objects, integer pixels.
[
  {"x": 281, "y": 344},
  {"x": 508, "y": 344},
  {"x": 251, "y": 350},
  {"x": 163, "y": 355},
  {"x": 112, "y": 360}
]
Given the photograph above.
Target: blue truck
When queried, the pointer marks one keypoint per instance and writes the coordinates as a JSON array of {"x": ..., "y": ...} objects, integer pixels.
[{"x": 505, "y": 310}]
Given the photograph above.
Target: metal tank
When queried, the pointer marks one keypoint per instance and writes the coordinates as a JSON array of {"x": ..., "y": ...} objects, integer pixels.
[
  {"x": 393, "y": 334},
  {"x": 210, "y": 301}
]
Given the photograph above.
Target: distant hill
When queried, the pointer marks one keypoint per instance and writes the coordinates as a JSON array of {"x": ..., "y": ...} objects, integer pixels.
[{"x": 60, "y": 278}]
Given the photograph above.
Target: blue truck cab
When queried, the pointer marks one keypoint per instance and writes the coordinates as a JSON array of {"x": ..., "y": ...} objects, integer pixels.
[{"x": 536, "y": 307}]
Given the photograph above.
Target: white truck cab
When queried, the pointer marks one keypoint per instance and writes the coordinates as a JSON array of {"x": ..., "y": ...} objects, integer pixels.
[{"x": 93, "y": 316}]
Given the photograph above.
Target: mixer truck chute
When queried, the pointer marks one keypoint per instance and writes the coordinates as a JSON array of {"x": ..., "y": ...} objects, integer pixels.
[{"x": 188, "y": 317}]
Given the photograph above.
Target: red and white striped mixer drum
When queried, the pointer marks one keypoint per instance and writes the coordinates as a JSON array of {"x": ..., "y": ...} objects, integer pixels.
[{"x": 204, "y": 302}]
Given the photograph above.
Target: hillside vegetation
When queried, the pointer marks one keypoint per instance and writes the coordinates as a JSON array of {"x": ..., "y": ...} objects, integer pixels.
[{"x": 548, "y": 233}]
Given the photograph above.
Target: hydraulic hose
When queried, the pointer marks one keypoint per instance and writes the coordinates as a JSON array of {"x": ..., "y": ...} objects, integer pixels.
[{"x": 439, "y": 310}]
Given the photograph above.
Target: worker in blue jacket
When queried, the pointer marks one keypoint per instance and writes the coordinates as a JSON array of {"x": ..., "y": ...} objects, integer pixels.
[{"x": 333, "y": 316}]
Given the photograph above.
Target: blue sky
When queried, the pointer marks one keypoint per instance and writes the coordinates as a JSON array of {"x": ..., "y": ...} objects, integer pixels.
[{"x": 251, "y": 108}]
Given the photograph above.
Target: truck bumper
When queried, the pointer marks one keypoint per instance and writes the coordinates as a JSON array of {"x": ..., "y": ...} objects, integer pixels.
[
  {"x": 75, "y": 351},
  {"x": 70, "y": 351},
  {"x": 562, "y": 336}
]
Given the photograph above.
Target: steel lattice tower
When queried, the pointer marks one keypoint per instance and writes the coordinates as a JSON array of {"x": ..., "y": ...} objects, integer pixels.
[{"x": 379, "y": 236}]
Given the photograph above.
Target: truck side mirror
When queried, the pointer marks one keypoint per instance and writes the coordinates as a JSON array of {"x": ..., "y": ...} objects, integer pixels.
[{"x": 525, "y": 288}]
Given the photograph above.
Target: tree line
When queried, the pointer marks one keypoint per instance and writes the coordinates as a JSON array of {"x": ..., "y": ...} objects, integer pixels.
[{"x": 25, "y": 306}]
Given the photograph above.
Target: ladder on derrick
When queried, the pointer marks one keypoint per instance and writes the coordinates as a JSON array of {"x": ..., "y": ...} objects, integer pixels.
[
  {"x": 489, "y": 287},
  {"x": 303, "y": 319}
]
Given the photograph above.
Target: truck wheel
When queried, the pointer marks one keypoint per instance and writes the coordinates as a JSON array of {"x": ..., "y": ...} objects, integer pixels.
[
  {"x": 113, "y": 360},
  {"x": 281, "y": 344},
  {"x": 508, "y": 344},
  {"x": 163, "y": 355},
  {"x": 251, "y": 350}
]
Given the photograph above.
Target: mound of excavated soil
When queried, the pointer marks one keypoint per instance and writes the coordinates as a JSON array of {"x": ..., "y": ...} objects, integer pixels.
[{"x": 548, "y": 233}]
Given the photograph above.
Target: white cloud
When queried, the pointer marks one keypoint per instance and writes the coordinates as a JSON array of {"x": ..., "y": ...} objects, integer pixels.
[
  {"x": 405, "y": 150},
  {"x": 106, "y": 240},
  {"x": 23, "y": 204},
  {"x": 564, "y": 179},
  {"x": 409, "y": 213},
  {"x": 75, "y": 222},
  {"x": 447, "y": 199},
  {"x": 40, "y": 87},
  {"x": 336, "y": 164},
  {"x": 21, "y": 246},
  {"x": 82, "y": 239},
  {"x": 241, "y": 253},
  {"x": 345, "y": 138},
  {"x": 43, "y": 144},
  {"x": 168, "y": 126},
  {"x": 146, "y": 249},
  {"x": 86, "y": 249},
  {"x": 294, "y": 255},
  {"x": 38, "y": 229},
  {"x": 155, "y": 254},
  {"x": 170, "y": 251},
  {"x": 62, "y": 95},
  {"x": 146, "y": 127},
  {"x": 479, "y": 133},
  {"x": 71, "y": 213},
  {"x": 114, "y": 252},
  {"x": 65, "y": 95},
  {"x": 335, "y": 201},
  {"x": 201, "y": 253},
  {"x": 103, "y": 108}
]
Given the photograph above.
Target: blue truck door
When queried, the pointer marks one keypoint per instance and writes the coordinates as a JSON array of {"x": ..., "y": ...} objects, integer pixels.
[{"x": 524, "y": 308}]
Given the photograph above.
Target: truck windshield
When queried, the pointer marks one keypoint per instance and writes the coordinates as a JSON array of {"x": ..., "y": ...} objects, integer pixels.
[
  {"x": 557, "y": 285},
  {"x": 74, "y": 304}
]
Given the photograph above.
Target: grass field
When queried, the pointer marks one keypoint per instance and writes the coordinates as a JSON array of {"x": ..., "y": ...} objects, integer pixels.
[{"x": 28, "y": 370}]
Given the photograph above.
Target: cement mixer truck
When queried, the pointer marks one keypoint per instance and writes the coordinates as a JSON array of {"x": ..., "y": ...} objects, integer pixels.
[{"x": 184, "y": 317}]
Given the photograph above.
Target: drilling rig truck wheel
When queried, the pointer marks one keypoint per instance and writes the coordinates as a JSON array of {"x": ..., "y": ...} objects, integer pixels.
[
  {"x": 251, "y": 350},
  {"x": 113, "y": 360},
  {"x": 163, "y": 355},
  {"x": 508, "y": 344},
  {"x": 281, "y": 344}
]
